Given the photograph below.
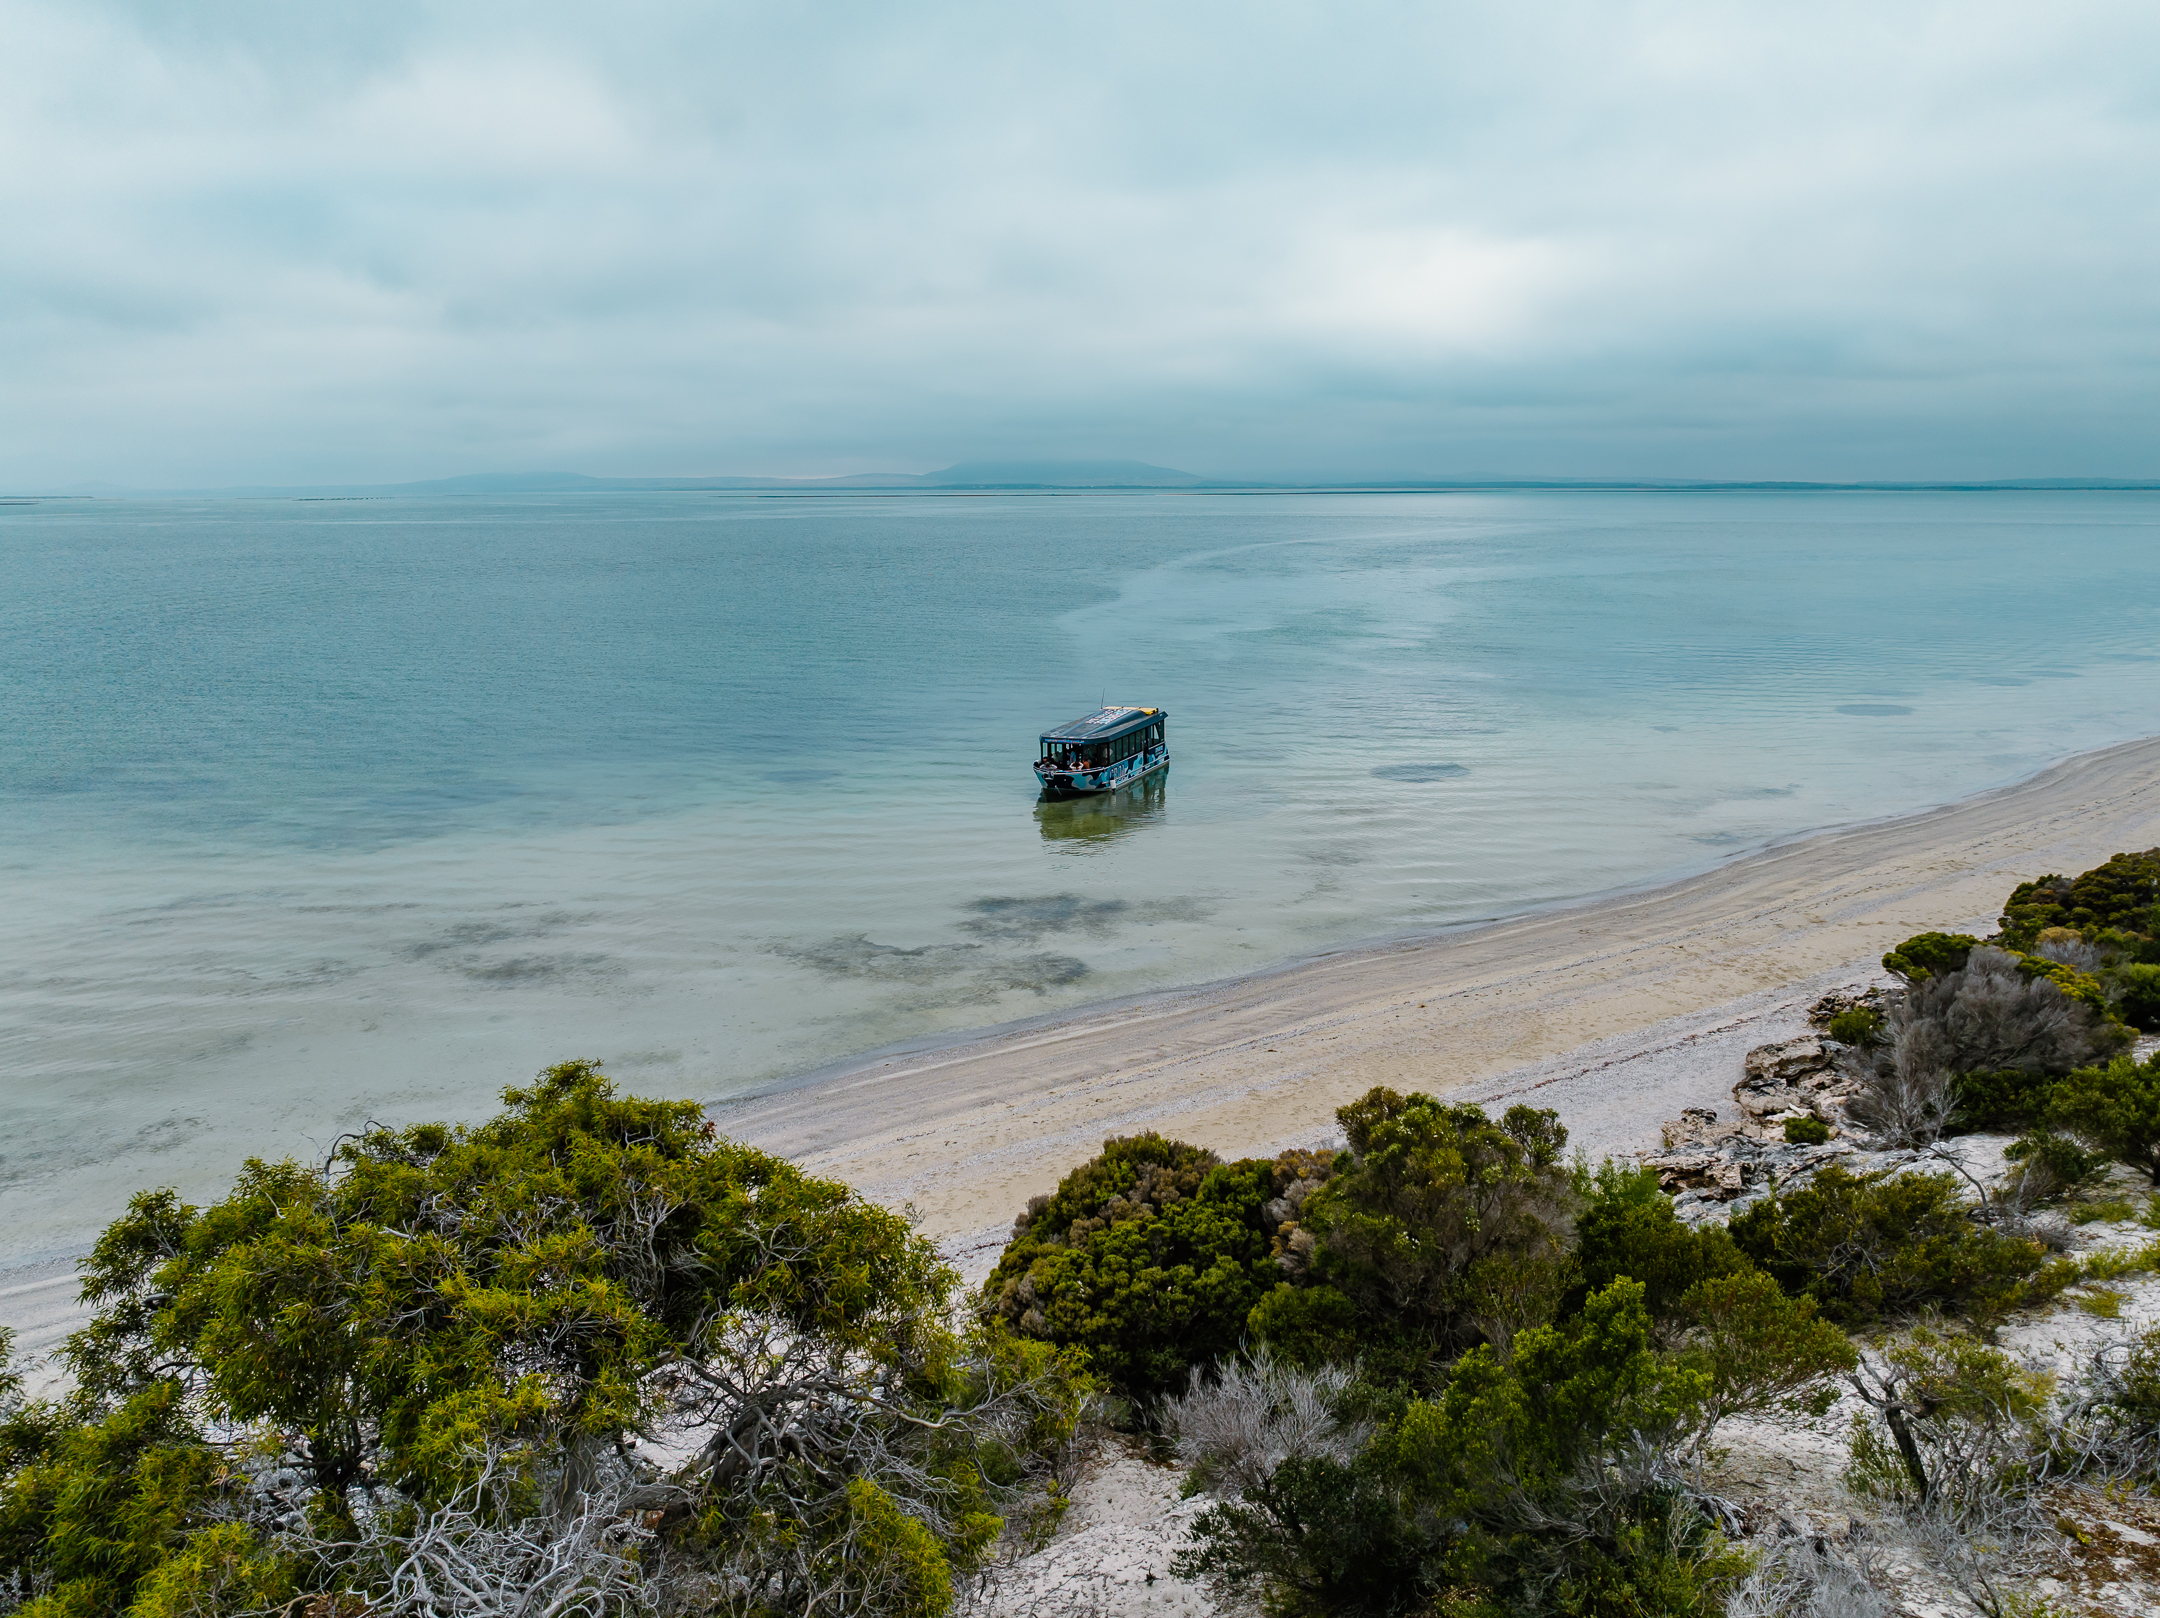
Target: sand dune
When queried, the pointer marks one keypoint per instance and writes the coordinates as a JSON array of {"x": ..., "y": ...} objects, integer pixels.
[{"x": 1617, "y": 1011}]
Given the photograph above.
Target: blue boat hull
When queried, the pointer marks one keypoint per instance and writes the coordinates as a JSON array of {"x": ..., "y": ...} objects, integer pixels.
[{"x": 1110, "y": 778}]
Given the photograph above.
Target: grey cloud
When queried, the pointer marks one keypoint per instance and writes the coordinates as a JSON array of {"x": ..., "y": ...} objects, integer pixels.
[{"x": 278, "y": 244}]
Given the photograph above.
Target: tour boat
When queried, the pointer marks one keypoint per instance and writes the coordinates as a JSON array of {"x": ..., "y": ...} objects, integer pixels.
[{"x": 1104, "y": 751}]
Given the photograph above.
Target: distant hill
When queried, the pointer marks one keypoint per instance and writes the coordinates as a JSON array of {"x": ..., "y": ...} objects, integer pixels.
[{"x": 1059, "y": 475}]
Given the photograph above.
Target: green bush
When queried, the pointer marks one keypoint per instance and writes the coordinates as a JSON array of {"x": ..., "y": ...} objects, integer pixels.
[
  {"x": 1445, "y": 1227},
  {"x": 1962, "y": 1039},
  {"x": 1312, "y": 1326},
  {"x": 1759, "y": 1347},
  {"x": 2134, "y": 1388},
  {"x": 487, "y": 1315},
  {"x": 1865, "y": 1246},
  {"x": 1999, "y": 1100},
  {"x": 2119, "y": 895},
  {"x": 1149, "y": 1257},
  {"x": 1862, "y": 1025},
  {"x": 1527, "y": 1451},
  {"x": 2115, "y": 1108},
  {"x": 1319, "y": 1537},
  {"x": 1927, "y": 955},
  {"x": 1628, "y": 1229},
  {"x": 2081, "y": 986},
  {"x": 1960, "y": 1423},
  {"x": 1806, "y": 1130},
  {"x": 2051, "y": 1166},
  {"x": 1518, "y": 1487},
  {"x": 97, "y": 1508},
  {"x": 2136, "y": 990}
]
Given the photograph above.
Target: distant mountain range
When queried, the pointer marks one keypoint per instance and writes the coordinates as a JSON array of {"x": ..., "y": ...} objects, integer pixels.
[{"x": 1051, "y": 475}]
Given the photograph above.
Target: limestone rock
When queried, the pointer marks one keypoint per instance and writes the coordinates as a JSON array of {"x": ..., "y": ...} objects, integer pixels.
[
  {"x": 1838, "y": 1001},
  {"x": 1794, "y": 1078},
  {"x": 1790, "y": 1061},
  {"x": 1694, "y": 1129}
]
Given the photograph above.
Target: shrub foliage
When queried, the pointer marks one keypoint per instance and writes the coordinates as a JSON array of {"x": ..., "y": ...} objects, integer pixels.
[
  {"x": 1151, "y": 1256},
  {"x": 470, "y": 1326},
  {"x": 1445, "y": 1225},
  {"x": 1868, "y": 1245},
  {"x": 2115, "y": 1109},
  {"x": 2120, "y": 895}
]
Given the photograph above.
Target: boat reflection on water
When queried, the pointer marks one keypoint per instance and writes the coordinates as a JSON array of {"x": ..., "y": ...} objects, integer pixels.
[{"x": 1104, "y": 818}]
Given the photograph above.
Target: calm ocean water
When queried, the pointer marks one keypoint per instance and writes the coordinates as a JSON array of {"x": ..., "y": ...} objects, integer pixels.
[{"x": 321, "y": 812}]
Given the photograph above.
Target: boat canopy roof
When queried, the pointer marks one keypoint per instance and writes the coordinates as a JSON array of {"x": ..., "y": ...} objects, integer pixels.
[{"x": 1105, "y": 726}]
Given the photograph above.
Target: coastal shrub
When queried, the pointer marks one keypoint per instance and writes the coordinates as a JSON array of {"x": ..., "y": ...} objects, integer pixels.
[
  {"x": 1318, "y": 1537},
  {"x": 1861, "y": 1025},
  {"x": 1312, "y": 1326},
  {"x": 1543, "y": 1478},
  {"x": 1445, "y": 1227},
  {"x": 1761, "y": 1348},
  {"x": 2068, "y": 971},
  {"x": 1627, "y": 1228},
  {"x": 1869, "y": 1245},
  {"x": 1999, "y": 1100},
  {"x": 2107, "y": 1426},
  {"x": 2119, "y": 895},
  {"x": 1550, "y": 1474},
  {"x": 1987, "y": 1017},
  {"x": 1904, "y": 1094},
  {"x": 1957, "y": 1424},
  {"x": 477, "y": 1321},
  {"x": 1150, "y": 1256},
  {"x": 2049, "y": 1166},
  {"x": 1806, "y": 1130},
  {"x": 1235, "y": 1425},
  {"x": 2135, "y": 988},
  {"x": 1561, "y": 1460},
  {"x": 1929, "y": 955},
  {"x": 90, "y": 1510},
  {"x": 2115, "y": 1109},
  {"x": 2136, "y": 1386}
]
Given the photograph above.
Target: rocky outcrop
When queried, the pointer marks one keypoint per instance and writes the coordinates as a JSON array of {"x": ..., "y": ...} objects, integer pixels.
[
  {"x": 1808, "y": 1077},
  {"x": 1711, "y": 1166},
  {"x": 1839, "y": 1001}
]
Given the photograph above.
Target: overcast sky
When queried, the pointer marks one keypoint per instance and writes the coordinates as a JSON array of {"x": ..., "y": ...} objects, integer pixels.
[{"x": 259, "y": 241}]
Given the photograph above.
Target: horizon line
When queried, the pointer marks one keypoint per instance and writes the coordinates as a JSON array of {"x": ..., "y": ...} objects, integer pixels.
[{"x": 1046, "y": 481}]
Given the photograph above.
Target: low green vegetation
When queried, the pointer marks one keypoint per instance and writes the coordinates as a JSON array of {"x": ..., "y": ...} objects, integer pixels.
[
  {"x": 1628, "y": 1229},
  {"x": 1150, "y": 1257},
  {"x": 2121, "y": 896},
  {"x": 1860, "y": 1025},
  {"x": 1930, "y": 955},
  {"x": 1486, "y": 1369},
  {"x": 1440, "y": 1227},
  {"x": 439, "y": 1349},
  {"x": 2025, "y": 1031},
  {"x": 2116, "y": 1109},
  {"x": 1869, "y": 1245}
]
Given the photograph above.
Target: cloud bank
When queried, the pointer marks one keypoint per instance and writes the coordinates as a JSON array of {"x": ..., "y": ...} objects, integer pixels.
[{"x": 253, "y": 242}]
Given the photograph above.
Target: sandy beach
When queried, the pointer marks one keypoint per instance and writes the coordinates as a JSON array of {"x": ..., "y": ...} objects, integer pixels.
[{"x": 1617, "y": 1012}]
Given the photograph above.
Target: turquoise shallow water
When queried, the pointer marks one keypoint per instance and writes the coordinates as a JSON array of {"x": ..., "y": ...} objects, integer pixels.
[{"x": 321, "y": 812}]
